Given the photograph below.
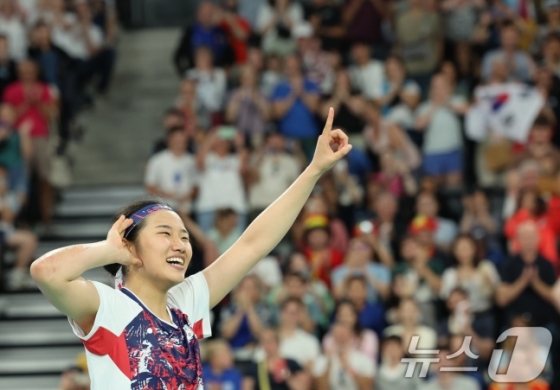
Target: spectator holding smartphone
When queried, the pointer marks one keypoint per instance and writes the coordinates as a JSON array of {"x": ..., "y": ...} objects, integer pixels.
[{"x": 220, "y": 180}]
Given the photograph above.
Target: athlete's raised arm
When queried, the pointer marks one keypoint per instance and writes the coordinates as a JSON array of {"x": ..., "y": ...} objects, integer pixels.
[
  {"x": 273, "y": 223},
  {"x": 57, "y": 273}
]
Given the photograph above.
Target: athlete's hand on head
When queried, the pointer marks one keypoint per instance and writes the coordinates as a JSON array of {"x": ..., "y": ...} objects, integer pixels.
[
  {"x": 115, "y": 238},
  {"x": 332, "y": 145}
]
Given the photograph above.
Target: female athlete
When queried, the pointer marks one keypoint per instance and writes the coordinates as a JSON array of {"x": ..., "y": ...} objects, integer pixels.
[{"x": 145, "y": 334}]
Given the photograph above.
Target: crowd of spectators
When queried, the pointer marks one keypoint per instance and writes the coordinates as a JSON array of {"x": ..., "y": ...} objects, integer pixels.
[
  {"x": 441, "y": 223},
  {"x": 55, "y": 57}
]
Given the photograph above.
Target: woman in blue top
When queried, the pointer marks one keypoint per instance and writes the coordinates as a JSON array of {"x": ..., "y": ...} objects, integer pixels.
[{"x": 145, "y": 334}]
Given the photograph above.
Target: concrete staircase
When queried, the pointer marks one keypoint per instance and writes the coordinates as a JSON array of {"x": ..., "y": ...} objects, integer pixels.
[{"x": 36, "y": 341}]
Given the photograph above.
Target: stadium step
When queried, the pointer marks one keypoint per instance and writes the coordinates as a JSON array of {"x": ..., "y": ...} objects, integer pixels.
[
  {"x": 43, "y": 248},
  {"x": 36, "y": 333},
  {"x": 84, "y": 229},
  {"x": 97, "y": 202},
  {"x": 35, "y": 305},
  {"x": 35, "y": 382},
  {"x": 39, "y": 360}
]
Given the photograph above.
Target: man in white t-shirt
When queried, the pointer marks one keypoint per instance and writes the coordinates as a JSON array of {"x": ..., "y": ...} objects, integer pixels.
[
  {"x": 78, "y": 36},
  {"x": 273, "y": 170},
  {"x": 171, "y": 173},
  {"x": 367, "y": 75},
  {"x": 84, "y": 41},
  {"x": 296, "y": 343},
  {"x": 221, "y": 177},
  {"x": 347, "y": 368},
  {"x": 11, "y": 25}
]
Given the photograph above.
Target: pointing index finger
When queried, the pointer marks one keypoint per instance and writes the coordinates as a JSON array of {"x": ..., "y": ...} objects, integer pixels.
[{"x": 328, "y": 124}]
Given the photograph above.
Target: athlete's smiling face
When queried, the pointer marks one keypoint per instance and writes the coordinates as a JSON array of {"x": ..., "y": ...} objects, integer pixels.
[{"x": 164, "y": 247}]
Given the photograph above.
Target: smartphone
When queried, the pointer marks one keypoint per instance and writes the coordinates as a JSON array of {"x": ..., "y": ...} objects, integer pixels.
[
  {"x": 227, "y": 132},
  {"x": 366, "y": 227}
]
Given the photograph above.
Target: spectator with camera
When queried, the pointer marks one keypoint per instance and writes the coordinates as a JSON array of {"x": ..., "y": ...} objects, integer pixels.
[{"x": 221, "y": 174}]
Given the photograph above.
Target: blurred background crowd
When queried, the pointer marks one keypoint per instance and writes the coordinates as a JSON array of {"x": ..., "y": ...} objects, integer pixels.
[
  {"x": 443, "y": 221},
  {"x": 56, "y": 57}
]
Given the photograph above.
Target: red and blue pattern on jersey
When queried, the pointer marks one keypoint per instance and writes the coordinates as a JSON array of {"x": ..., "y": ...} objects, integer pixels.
[{"x": 161, "y": 356}]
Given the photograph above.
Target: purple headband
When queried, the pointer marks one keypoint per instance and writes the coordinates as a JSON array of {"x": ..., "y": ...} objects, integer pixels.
[{"x": 139, "y": 215}]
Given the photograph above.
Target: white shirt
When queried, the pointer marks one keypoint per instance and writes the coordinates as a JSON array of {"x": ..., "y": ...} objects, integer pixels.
[
  {"x": 71, "y": 40},
  {"x": 267, "y": 13},
  {"x": 427, "y": 337},
  {"x": 30, "y": 10},
  {"x": 129, "y": 347},
  {"x": 14, "y": 29},
  {"x": 210, "y": 88},
  {"x": 402, "y": 115},
  {"x": 368, "y": 79},
  {"x": 276, "y": 174},
  {"x": 480, "y": 287},
  {"x": 221, "y": 185},
  {"x": 174, "y": 174},
  {"x": 268, "y": 270},
  {"x": 359, "y": 362},
  {"x": 301, "y": 347},
  {"x": 443, "y": 133}
]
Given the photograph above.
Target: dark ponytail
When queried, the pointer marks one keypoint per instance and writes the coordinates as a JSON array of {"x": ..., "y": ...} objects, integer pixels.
[{"x": 127, "y": 211}]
